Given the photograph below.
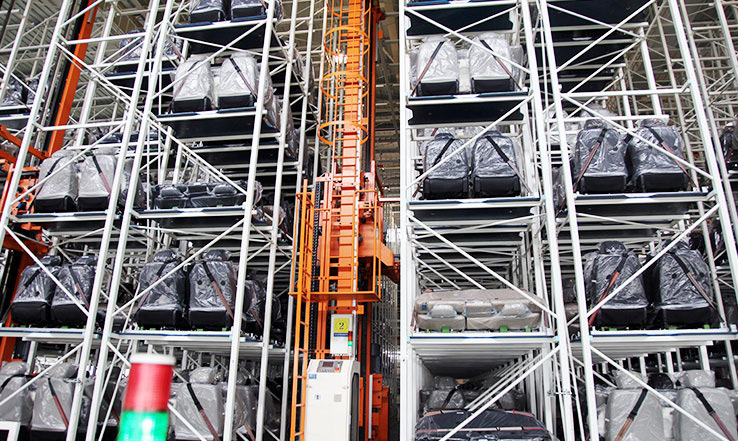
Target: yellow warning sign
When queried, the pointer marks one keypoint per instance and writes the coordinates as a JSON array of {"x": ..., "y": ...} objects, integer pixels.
[{"x": 341, "y": 327}]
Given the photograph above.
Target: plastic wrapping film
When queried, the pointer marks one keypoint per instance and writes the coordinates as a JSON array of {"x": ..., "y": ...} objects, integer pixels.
[
  {"x": 60, "y": 191},
  {"x": 674, "y": 287},
  {"x": 660, "y": 380},
  {"x": 443, "y": 68},
  {"x": 241, "y": 81},
  {"x": 31, "y": 92},
  {"x": 131, "y": 47},
  {"x": 571, "y": 128},
  {"x": 163, "y": 305},
  {"x": 625, "y": 381},
  {"x": 450, "y": 178},
  {"x": 483, "y": 65},
  {"x": 647, "y": 160},
  {"x": 648, "y": 422},
  {"x": 255, "y": 302},
  {"x": 198, "y": 81},
  {"x": 442, "y": 399},
  {"x": 211, "y": 399},
  {"x": 490, "y": 424},
  {"x": 216, "y": 7},
  {"x": 96, "y": 174},
  {"x": 206, "y": 305},
  {"x": 34, "y": 293},
  {"x": 14, "y": 94},
  {"x": 254, "y": 5},
  {"x": 46, "y": 414},
  {"x": 139, "y": 200},
  {"x": 491, "y": 174},
  {"x": 598, "y": 274},
  {"x": 483, "y": 309},
  {"x": 697, "y": 378},
  {"x": 18, "y": 409},
  {"x": 444, "y": 383},
  {"x": 248, "y": 396},
  {"x": 607, "y": 161},
  {"x": 486, "y": 162},
  {"x": 687, "y": 430},
  {"x": 77, "y": 279}
]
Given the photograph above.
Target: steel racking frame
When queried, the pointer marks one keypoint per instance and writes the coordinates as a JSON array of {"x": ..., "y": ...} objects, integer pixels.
[
  {"x": 563, "y": 74},
  {"x": 123, "y": 241}
]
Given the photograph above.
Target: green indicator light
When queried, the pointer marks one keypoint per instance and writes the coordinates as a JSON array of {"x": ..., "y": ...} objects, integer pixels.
[{"x": 143, "y": 426}]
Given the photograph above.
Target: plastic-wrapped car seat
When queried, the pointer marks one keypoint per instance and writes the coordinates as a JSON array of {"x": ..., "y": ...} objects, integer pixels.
[
  {"x": 32, "y": 300},
  {"x": 172, "y": 196},
  {"x": 18, "y": 409},
  {"x": 437, "y": 68},
  {"x": 605, "y": 272},
  {"x": 451, "y": 178},
  {"x": 489, "y": 71},
  {"x": 209, "y": 11},
  {"x": 164, "y": 304},
  {"x": 139, "y": 200},
  {"x": 201, "y": 392},
  {"x": 599, "y": 159},
  {"x": 634, "y": 414},
  {"x": 652, "y": 169},
  {"x": 253, "y": 8},
  {"x": 59, "y": 192},
  {"x": 212, "y": 291},
  {"x": 702, "y": 400},
  {"x": 238, "y": 81},
  {"x": 682, "y": 288},
  {"x": 492, "y": 172},
  {"x": 15, "y": 94},
  {"x": 729, "y": 144},
  {"x": 96, "y": 178},
  {"x": 194, "y": 90},
  {"x": 131, "y": 47},
  {"x": 76, "y": 278},
  {"x": 52, "y": 405},
  {"x": 489, "y": 424},
  {"x": 254, "y": 304}
]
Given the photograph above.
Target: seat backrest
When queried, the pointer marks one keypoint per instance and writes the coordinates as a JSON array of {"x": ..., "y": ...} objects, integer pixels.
[
  {"x": 444, "y": 67},
  {"x": 64, "y": 181},
  {"x": 486, "y": 160},
  {"x": 440, "y": 147},
  {"x": 195, "y": 80}
]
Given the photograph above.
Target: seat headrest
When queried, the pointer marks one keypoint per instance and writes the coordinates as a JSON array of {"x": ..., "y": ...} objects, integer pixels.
[
  {"x": 613, "y": 247},
  {"x": 594, "y": 124},
  {"x": 51, "y": 260},
  {"x": 86, "y": 260},
  {"x": 216, "y": 255},
  {"x": 165, "y": 256},
  {"x": 204, "y": 375},
  {"x": 653, "y": 122},
  {"x": 14, "y": 368}
]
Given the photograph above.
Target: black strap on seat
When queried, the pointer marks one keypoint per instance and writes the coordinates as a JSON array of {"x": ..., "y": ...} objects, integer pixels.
[
  {"x": 427, "y": 66},
  {"x": 587, "y": 163},
  {"x": 442, "y": 152},
  {"x": 450, "y": 395},
  {"x": 217, "y": 289},
  {"x": 502, "y": 65},
  {"x": 31, "y": 279},
  {"x": 51, "y": 170},
  {"x": 508, "y": 161},
  {"x": 632, "y": 415},
  {"x": 203, "y": 414},
  {"x": 101, "y": 174},
  {"x": 613, "y": 278},
  {"x": 243, "y": 77},
  {"x": 713, "y": 414},
  {"x": 666, "y": 147},
  {"x": 58, "y": 403},
  {"x": 78, "y": 287},
  {"x": 7, "y": 380},
  {"x": 700, "y": 290}
]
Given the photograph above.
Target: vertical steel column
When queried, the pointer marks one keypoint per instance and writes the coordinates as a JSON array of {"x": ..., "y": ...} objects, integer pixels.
[
  {"x": 246, "y": 235},
  {"x": 114, "y": 289},
  {"x": 574, "y": 230},
  {"x": 110, "y": 217},
  {"x": 557, "y": 291}
]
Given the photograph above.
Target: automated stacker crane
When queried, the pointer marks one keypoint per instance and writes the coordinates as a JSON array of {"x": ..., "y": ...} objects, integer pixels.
[{"x": 340, "y": 256}]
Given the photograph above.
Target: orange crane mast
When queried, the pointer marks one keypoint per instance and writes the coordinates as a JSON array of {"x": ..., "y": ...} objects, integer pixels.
[{"x": 339, "y": 256}]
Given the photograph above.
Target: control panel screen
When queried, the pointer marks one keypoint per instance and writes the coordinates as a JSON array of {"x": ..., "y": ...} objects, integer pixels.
[{"x": 330, "y": 366}]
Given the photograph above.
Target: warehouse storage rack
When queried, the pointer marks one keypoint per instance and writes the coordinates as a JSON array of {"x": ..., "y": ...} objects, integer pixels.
[
  {"x": 576, "y": 61},
  {"x": 483, "y": 242},
  {"x": 133, "y": 99}
]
